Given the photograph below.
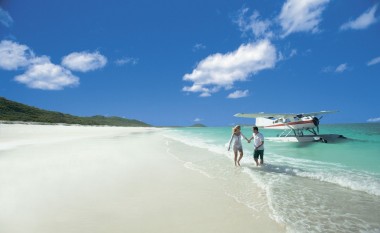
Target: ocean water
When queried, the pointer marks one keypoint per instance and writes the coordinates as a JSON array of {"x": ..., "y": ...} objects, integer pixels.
[{"x": 309, "y": 187}]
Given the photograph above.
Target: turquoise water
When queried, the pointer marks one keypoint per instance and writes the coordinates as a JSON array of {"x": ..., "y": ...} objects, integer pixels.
[{"x": 310, "y": 187}]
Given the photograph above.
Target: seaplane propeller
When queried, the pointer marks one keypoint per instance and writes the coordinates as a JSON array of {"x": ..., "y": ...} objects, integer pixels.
[{"x": 316, "y": 123}]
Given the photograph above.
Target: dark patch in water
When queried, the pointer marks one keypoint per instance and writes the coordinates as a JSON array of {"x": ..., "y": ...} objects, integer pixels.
[{"x": 279, "y": 169}]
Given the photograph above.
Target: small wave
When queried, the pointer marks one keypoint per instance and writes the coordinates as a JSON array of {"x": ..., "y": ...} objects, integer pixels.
[
  {"x": 188, "y": 165},
  {"x": 327, "y": 172},
  {"x": 197, "y": 142},
  {"x": 348, "y": 179},
  {"x": 196, "y": 168},
  {"x": 308, "y": 206}
]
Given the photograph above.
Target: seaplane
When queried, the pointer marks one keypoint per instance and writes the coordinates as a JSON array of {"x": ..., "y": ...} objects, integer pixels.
[{"x": 297, "y": 127}]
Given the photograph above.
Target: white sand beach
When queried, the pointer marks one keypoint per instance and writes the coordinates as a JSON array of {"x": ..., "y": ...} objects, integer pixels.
[{"x": 113, "y": 179}]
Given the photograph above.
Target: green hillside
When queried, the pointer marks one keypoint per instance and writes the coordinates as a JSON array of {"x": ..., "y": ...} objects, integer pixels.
[{"x": 13, "y": 111}]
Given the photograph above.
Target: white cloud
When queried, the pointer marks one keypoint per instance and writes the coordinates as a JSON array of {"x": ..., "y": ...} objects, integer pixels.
[
  {"x": 5, "y": 18},
  {"x": 301, "y": 16},
  {"x": 84, "y": 61},
  {"x": 259, "y": 28},
  {"x": 205, "y": 94},
  {"x": 341, "y": 68},
  {"x": 13, "y": 55},
  {"x": 223, "y": 70},
  {"x": 238, "y": 94},
  {"x": 328, "y": 69},
  {"x": 374, "y": 119},
  {"x": 374, "y": 61},
  {"x": 363, "y": 21},
  {"x": 198, "y": 46},
  {"x": 282, "y": 57},
  {"x": 42, "y": 74},
  {"x": 197, "y": 119},
  {"x": 338, "y": 69},
  {"x": 293, "y": 53},
  {"x": 127, "y": 60}
]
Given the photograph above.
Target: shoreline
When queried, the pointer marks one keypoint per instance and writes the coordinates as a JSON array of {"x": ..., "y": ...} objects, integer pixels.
[{"x": 114, "y": 179}]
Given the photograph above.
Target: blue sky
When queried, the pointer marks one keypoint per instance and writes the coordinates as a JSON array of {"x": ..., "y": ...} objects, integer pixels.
[{"x": 179, "y": 62}]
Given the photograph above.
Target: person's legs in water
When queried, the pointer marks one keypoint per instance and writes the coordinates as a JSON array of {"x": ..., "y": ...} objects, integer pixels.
[
  {"x": 256, "y": 157},
  {"x": 261, "y": 157}
]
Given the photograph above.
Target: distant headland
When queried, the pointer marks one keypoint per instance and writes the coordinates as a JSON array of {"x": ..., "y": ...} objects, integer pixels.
[{"x": 13, "y": 111}]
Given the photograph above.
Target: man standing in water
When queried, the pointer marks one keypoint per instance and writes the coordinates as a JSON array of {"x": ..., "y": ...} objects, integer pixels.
[{"x": 258, "y": 143}]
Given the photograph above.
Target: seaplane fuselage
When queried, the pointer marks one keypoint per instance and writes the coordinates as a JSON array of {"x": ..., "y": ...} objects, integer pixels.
[{"x": 286, "y": 123}]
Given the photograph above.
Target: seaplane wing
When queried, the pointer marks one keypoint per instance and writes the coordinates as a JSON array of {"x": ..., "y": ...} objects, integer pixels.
[{"x": 281, "y": 115}]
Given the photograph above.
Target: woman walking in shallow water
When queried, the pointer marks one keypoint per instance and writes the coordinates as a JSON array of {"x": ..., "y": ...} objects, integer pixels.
[{"x": 238, "y": 146}]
